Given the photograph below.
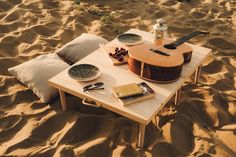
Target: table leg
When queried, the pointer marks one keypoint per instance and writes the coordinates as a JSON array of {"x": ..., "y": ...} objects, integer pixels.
[
  {"x": 157, "y": 120},
  {"x": 177, "y": 97},
  {"x": 141, "y": 135},
  {"x": 197, "y": 74},
  {"x": 63, "y": 100}
]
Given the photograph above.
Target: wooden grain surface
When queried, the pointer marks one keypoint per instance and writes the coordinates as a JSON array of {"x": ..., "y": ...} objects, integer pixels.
[
  {"x": 112, "y": 76},
  {"x": 110, "y": 48}
]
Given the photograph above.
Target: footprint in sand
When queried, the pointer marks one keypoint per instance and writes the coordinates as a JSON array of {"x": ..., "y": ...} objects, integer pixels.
[
  {"x": 214, "y": 10},
  {"x": 222, "y": 43},
  {"x": 225, "y": 84},
  {"x": 7, "y": 50},
  {"x": 6, "y": 123},
  {"x": 11, "y": 27},
  {"x": 222, "y": 105},
  {"x": 2, "y": 14},
  {"x": 230, "y": 61},
  {"x": 17, "y": 97},
  {"x": 130, "y": 151},
  {"x": 163, "y": 149},
  {"x": 5, "y": 6},
  {"x": 8, "y": 39},
  {"x": 7, "y": 82},
  {"x": 47, "y": 29},
  {"x": 227, "y": 135},
  {"x": 160, "y": 14},
  {"x": 41, "y": 133},
  {"x": 66, "y": 35},
  {"x": 13, "y": 16},
  {"x": 50, "y": 5},
  {"x": 14, "y": 2},
  {"x": 224, "y": 15},
  {"x": 30, "y": 48},
  {"x": 128, "y": 15},
  {"x": 213, "y": 67},
  {"x": 9, "y": 126},
  {"x": 182, "y": 135},
  {"x": 210, "y": 24},
  {"x": 4, "y": 29},
  {"x": 198, "y": 15},
  {"x": 83, "y": 131},
  {"x": 98, "y": 149},
  {"x": 32, "y": 7},
  {"x": 169, "y": 3},
  {"x": 5, "y": 100},
  {"x": 67, "y": 152},
  {"x": 27, "y": 36}
]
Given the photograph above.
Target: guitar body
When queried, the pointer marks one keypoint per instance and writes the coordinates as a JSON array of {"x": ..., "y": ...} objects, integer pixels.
[
  {"x": 145, "y": 61},
  {"x": 161, "y": 63}
]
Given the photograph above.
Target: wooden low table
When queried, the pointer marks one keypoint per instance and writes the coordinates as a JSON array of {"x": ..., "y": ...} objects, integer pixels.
[{"x": 142, "y": 112}]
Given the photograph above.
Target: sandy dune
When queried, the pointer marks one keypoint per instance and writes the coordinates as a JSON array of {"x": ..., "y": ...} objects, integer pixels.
[{"x": 205, "y": 124}]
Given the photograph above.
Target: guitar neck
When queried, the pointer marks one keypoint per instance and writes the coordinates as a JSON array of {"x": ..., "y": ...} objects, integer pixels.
[{"x": 188, "y": 37}]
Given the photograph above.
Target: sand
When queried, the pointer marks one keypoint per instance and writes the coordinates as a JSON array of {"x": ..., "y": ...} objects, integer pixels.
[{"x": 204, "y": 124}]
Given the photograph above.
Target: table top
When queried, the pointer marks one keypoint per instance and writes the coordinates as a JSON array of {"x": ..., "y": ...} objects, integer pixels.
[{"x": 142, "y": 112}]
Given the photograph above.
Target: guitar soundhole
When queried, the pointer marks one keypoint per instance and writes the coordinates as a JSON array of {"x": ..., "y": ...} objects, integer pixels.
[{"x": 170, "y": 46}]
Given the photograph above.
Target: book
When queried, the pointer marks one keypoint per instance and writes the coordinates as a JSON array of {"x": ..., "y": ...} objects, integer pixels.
[
  {"x": 148, "y": 93},
  {"x": 127, "y": 90}
]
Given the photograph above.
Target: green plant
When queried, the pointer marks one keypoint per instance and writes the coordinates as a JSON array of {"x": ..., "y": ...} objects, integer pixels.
[
  {"x": 77, "y": 1},
  {"x": 95, "y": 11},
  {"x": 105, "y": 19},
  {"x": 118, "y": 29}
]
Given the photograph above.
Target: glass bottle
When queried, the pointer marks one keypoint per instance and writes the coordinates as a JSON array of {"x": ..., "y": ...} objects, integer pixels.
[{"x": 160, "y": 31}]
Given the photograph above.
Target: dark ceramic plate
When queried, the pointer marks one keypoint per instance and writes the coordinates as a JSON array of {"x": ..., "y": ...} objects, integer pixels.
[
  {"x": 129, "y": 39},
  {"x": 84, "y": 72}
]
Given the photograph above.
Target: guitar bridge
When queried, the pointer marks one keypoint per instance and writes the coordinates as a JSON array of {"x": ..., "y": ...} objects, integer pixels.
[{"x": 159, "y": 52}]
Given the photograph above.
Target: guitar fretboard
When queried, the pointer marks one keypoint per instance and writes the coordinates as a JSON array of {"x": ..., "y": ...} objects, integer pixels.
[{"x": 188, "y": 37}]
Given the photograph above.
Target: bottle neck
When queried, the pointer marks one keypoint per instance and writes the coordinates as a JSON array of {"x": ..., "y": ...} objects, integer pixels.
[{"x": 160, "y": 26}]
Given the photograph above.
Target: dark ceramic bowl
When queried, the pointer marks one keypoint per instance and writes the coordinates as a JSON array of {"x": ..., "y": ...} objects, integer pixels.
[
  {"x": 84, "y": 72},
  {"x": 129, "y": 39}
]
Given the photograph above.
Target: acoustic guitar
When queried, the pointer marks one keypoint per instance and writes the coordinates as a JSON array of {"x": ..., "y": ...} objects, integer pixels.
[{"x": 163, "y": 63}]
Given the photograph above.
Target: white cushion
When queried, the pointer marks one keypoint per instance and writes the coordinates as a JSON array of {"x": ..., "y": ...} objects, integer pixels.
[
  {"x": 81, "y": 47},
  {"x": 36, "y": 72}
]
